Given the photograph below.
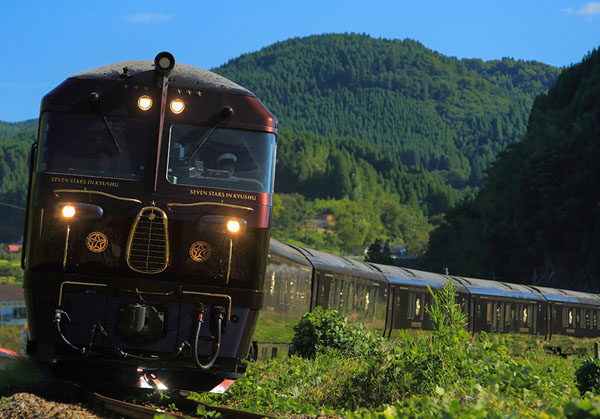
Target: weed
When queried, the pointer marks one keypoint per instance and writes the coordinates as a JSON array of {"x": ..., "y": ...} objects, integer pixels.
[
  {"x": 347, "y": 371},
  {"x": 21, "y": 372}
]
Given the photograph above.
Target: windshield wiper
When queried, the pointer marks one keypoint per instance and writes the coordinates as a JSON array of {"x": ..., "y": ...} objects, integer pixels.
[
  {"x": 93, "y": 98},
  {"x": 226, "y": 113}
]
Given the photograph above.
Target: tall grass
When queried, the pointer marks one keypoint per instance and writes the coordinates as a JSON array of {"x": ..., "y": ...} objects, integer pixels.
[{"x": 445, "y": 373}]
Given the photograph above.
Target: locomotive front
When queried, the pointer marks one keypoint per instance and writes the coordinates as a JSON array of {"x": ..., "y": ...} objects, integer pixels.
[{"x": 148, "y": 223}]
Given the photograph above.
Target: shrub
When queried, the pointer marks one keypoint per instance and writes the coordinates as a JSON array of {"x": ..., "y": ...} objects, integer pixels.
[
  {"x": 442, "y": 373},
  {"x": 322, "y": 330},
  {"x": 588, "y": 376}
]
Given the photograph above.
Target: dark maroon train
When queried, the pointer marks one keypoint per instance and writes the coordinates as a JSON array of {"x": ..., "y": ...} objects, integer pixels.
[
  {"x": 148, "y": 224},
  {"x": 390, "y": 298}
]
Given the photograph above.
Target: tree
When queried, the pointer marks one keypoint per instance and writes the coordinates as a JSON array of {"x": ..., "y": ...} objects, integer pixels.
[{"x": 379, "y": 252}]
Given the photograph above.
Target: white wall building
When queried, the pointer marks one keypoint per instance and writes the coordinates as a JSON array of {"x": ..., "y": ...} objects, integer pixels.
[{"x": 12, "y": 305}]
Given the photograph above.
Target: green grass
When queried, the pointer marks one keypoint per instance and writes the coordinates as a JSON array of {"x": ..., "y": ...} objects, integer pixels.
[
  {"x": 443, "y": 373},
  {"x": 21, "y": 373},
  {"x": 274, "y": 328},
  {"x": 11, "y": 272}
]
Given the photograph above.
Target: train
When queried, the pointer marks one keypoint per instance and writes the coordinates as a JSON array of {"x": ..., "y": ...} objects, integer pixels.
[
  {"x": 387, "y": 299},
  {"x": 147, "y": 225},
  {"x": 147, "y": 255}
]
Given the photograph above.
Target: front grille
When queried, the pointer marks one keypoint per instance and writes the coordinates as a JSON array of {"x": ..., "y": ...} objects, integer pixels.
[{"x": 148, "y": 245}]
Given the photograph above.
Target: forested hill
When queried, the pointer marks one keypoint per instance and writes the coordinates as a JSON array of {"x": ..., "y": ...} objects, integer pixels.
[
  {"x": 419, "y": 106},
  {"x": 15, "y": 142},
  {"x": 537, "y": 219},
  {"x": 377, "y": 137}
]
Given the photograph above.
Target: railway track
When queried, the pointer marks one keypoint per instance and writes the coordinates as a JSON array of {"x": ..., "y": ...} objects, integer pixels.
[{"x": 188, "y": 406}]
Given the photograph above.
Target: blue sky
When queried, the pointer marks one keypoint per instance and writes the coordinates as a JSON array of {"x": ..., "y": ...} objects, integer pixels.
[{"x": 46, "y": 41}]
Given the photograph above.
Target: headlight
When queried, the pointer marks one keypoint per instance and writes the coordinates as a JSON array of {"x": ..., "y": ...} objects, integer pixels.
[
  {"x": 68, "y": 211},
  {"x": 145, "y": 102},
  {"x": 177, "y": 106},
  {"x": 223, "y": 224},
  {"x": 78, "y": 211},
  {"x": 233, "y": 226},
  {"x": 164, "y": 63}
]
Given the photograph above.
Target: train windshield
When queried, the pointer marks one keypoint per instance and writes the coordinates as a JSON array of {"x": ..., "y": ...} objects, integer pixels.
[
  {"x": 221, "y": 158},
  {"x": 84, "y": 144}
]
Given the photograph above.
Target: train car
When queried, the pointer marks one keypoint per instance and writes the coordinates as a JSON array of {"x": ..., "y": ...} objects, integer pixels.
[
  {"x": 571, "y": 313},
  {"x": 352, "y": 287},
  {"x": 288, "y": 289},
  {"x": 410, "y": 296},
  {"x": 302, "y": 279},
  {"x": 500, "y": 307},
  {"x": 148, "y": 223}
]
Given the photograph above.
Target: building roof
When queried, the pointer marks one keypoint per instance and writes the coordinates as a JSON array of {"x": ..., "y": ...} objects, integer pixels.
[
  {"x": 11, "y": 293},
  {"x": 7, "y": 353},
  {"x": 12, "y": 248}
]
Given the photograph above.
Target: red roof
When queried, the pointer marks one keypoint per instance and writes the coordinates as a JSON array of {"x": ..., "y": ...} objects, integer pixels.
[
  {"x": 13, "y": 248},
  {"x": 11, "y": 293},
  {"x": 8, "y": 353}
]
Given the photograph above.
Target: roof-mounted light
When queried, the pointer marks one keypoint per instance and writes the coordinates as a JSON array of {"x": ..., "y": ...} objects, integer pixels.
[
  {"x": 144, "y": 102},
  {"x": 177, "y": 106},
  {"x": 164, "y": 63}
]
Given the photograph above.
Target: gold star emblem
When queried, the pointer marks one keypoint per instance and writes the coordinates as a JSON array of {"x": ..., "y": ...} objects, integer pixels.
[
  {"x": 200, "y": 251},
  {"x": 96, "y": 242}
]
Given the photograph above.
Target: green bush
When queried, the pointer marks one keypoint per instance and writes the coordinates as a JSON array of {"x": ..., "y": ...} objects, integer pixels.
[
  {"x": 11, "y": 337},
  {"x": 588, "y": 376},
  {"x": 321, "y": 330},
  {"x": 443, "y": 373}
]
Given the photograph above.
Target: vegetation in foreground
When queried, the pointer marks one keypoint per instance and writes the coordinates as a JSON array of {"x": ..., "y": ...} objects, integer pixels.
[
  {"x": 22, "y": 373},
  {"x": 342, "y": 369},
  {"x": 10, "y": 267}
]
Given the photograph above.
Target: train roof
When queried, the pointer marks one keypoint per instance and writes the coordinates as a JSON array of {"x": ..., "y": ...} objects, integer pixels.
[
  {"x": 338, "y": 264},
  {"x": 399, "y": 276},
  {"x": 557, "y": 295},
  {"x": 489, "y": 288},
  {"x": 287, "y": 252},
  {"x": 182, "y": 75}
]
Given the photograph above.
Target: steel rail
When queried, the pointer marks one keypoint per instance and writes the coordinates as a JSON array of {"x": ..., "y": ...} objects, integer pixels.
[
  {"x": 130, "y": 410},
  {"x": 135, "y": 411}
]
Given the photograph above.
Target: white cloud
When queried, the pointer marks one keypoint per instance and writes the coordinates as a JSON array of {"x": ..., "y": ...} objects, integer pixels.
[
  {"x": 150, "y": 18},
  {"x": 590, "y": 9}
]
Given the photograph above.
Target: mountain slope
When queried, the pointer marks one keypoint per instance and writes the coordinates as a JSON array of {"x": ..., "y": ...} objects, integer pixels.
[
  {"x": 538, "y": 216},
  {"x": 370, "y": 129},
  {"x": 421, "y": 107}
]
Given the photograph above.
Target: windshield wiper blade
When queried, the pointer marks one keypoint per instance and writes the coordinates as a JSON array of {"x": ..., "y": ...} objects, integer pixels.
[
  {"x": 93, "y": 98},
  {"x": 226, "y": 113}
]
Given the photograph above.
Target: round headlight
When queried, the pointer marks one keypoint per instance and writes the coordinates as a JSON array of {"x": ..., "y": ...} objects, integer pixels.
[
  {"x": 177, "y": 106},
  {"x": 164, "y": 63},
  {"x": 233, "y": 226},
  {"x": 68, "y": 211},
  {"x": 145, "y": 102}
]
